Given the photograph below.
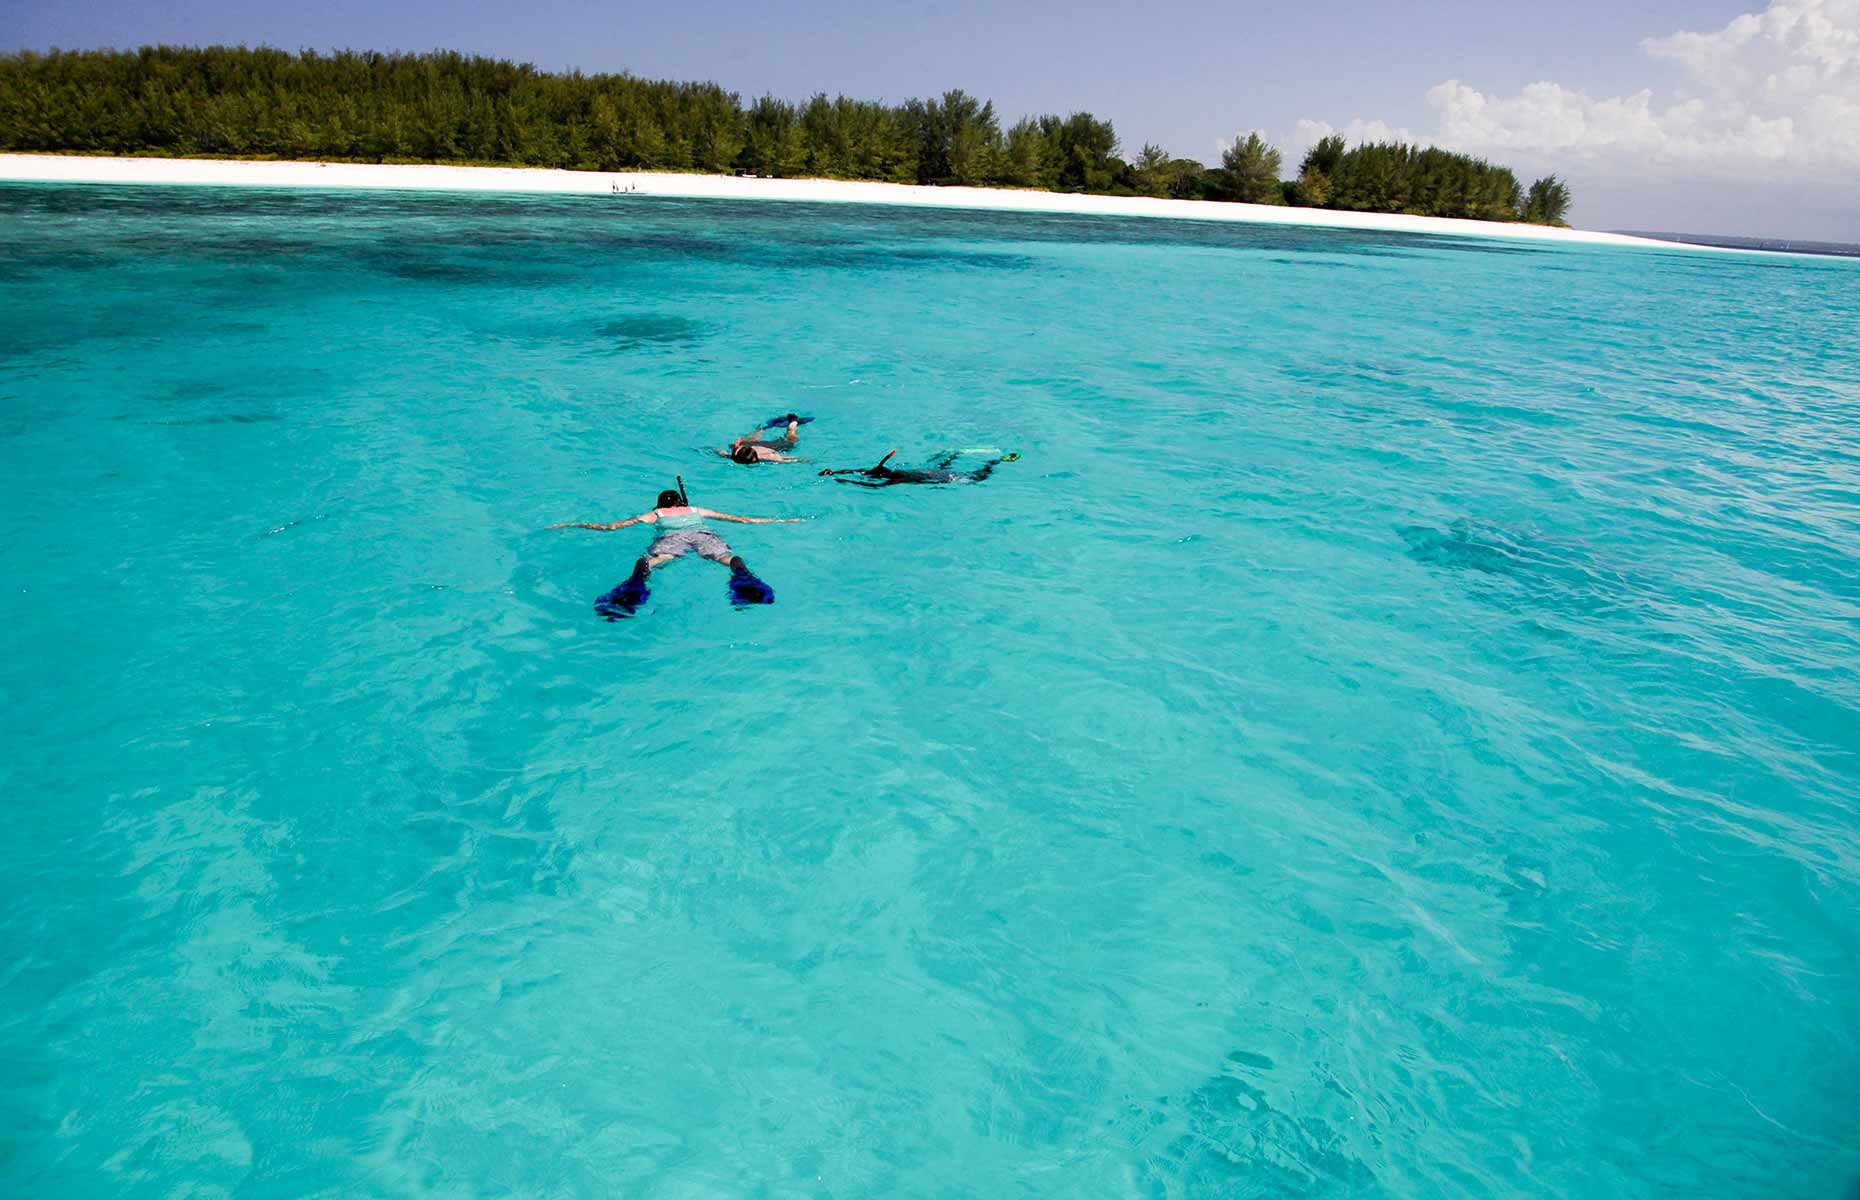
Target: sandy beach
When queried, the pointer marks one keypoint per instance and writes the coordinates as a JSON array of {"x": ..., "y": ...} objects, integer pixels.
[{"x": 54, "y": 168}]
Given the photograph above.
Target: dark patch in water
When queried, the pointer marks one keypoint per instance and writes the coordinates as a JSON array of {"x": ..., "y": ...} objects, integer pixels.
[
  {"x": 1530, "y": 571},
  {"x": 485, "y": 236},
  {"x": 1462, "y": 547},
  {"x": 194, "y": 390},
  {"x": 626, "y": 243},
  {"x": 420, "y": 264},
  {"x": 1233, "y": 1141},
  {"x": 238, "y": 328},
  {"x": 205, "y": 419},
  {"x": 1331, "y": 264},
  {"x": 258, "y": 246},
  {"x": 879, "y": 258},
  {"x": 431, "y": 269},
  {"x": 650, "y": 329},
  {"x": 222, "y": 419}
]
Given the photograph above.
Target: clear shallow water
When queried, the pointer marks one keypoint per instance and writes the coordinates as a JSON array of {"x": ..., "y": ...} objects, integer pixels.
[{"x": 1395, "y": 733}]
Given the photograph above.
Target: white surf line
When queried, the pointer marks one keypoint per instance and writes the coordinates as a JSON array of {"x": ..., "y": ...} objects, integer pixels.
[{"x": 66, "y": 168}]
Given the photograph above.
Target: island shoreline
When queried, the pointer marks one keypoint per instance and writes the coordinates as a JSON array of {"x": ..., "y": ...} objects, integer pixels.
[{"x": 99, "y": 169}]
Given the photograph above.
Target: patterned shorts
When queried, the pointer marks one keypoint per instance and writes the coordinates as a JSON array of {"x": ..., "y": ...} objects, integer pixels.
[{"x": 677, "y": 543}]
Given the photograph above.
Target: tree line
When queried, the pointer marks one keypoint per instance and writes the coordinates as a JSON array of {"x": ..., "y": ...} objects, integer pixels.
[{"x": 448, "y": 107}]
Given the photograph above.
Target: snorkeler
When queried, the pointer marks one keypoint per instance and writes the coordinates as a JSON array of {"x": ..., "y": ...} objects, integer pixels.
[
  {"x": 681, "y": 532},
  {"x": 937, "y": 472},
  {"x": 753, "y": 448}
]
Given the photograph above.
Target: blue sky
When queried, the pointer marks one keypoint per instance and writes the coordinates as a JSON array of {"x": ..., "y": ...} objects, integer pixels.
[{"x": 1654, "y": 129}]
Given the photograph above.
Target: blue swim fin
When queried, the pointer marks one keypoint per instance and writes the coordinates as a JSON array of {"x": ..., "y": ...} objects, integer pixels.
[
  {"x": 625, "y": 599},
  {"x": 745, "y": 588}
]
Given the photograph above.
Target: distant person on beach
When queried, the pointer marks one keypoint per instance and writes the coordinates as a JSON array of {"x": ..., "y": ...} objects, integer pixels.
[
  {"x": 937, "y": 472},
  {"x": 756, "y": 447},
  {"x": 681, "y": 531}
]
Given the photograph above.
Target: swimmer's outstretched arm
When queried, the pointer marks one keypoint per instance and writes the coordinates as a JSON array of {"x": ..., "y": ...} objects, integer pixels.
[
  {"x": 705, "y": 512},
  {"x": 643, "y": 518}
]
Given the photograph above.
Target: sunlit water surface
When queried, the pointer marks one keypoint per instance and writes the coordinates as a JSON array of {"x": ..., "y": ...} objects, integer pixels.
[{"x": 1396, "y": 732}]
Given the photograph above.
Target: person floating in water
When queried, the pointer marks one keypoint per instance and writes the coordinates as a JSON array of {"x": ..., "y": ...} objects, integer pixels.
[
  {"x": 753, "y": 447},
  {"x": 681, "y": 531},
  {"x": 937, "y": 472}
]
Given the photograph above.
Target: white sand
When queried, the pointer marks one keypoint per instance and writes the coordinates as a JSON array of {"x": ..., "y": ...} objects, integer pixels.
[{"x": 58, "y": 168}]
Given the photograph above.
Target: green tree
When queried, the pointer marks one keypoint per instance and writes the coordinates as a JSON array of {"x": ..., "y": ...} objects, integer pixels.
[
  {"x": 1026, "y": 158},
  {"x": 970, "y": 136},
  {"x": 826, "y": 137},
  {"x": 1312, "y": 190},
  {"x": 1085, "y": 150},
  {"x": 773, "y": 143},
  {"x": 1249, "y": 172},
  {"x": 1547, "y": 203},
  {"x": 957, "y": 137},
  {"x": 1152, "y": 170},
  {"x": 1323, "y": 156},
  {"x": 881, "y": 147},
  {"x": 1187, "y": 178}
]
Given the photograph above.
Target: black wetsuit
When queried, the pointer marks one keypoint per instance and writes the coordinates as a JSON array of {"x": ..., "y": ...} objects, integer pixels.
[{"x": 937, "y": 472}]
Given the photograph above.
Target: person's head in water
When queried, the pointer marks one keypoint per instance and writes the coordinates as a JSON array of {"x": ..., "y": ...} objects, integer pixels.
[
  {"x": 670, "y": 499},
  {"x": 744, "y": 453}
]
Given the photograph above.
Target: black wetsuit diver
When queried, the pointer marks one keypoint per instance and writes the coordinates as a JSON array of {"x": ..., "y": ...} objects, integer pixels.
[{"x": 937, "y": 472}]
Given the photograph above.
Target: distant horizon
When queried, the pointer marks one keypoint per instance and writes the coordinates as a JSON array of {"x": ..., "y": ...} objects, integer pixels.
[
  {"x": 1720, "y": 115},
  {"x": 1738, "y": 240}
]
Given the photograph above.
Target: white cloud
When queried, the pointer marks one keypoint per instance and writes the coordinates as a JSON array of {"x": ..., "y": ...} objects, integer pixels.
[{"x": 1775, "y": 88}]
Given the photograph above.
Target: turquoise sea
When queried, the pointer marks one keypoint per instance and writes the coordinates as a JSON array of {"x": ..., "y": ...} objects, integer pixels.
[{"x": 1394, "y": 733}]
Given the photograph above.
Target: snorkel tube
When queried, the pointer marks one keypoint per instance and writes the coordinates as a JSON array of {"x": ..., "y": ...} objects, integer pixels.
[
  {"x": 681, "y": 491},
  {"x": 772, "y": 422}
]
